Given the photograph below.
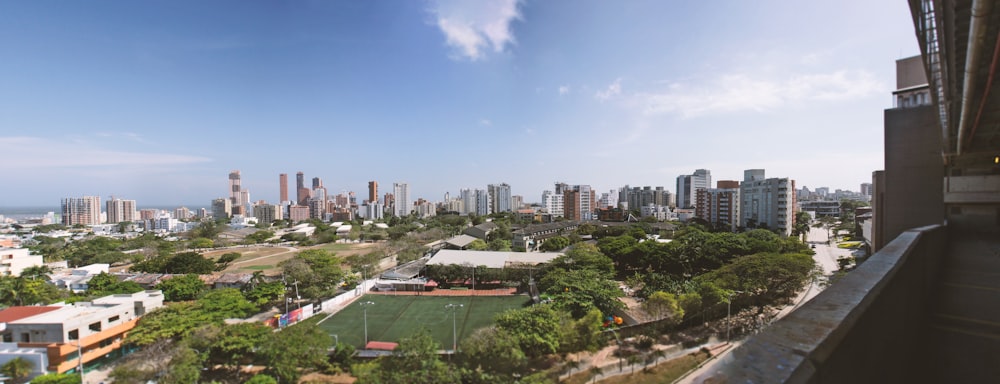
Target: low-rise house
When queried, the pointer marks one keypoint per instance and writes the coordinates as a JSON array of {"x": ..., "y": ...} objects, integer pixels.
[{"x": 15, "y": 260}]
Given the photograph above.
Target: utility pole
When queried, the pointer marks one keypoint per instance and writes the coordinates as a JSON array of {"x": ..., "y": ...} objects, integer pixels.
[
  {"x": 364, "y": 307},
  {"x": 454, "y": 329}
]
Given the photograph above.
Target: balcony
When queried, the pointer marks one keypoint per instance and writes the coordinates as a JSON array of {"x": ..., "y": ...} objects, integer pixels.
[{"x": 922, "y": 309}]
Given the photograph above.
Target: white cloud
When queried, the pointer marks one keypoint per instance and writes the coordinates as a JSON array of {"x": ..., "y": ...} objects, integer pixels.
[
  {"x": 485, "y": 122},
  {"x": 740, "y": 92},
  {"x": 563, "y": 89},
  {"x": 472, "y": 28},
  {"x": 614, "y": 89},
  {"x": 35, "y": 152}
]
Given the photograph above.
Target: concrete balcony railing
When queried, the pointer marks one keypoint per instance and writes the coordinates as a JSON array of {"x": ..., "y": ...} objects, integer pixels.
[{"x": 865, "y": 328}]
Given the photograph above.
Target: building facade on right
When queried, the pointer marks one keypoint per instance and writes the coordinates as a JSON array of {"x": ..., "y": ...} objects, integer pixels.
[{"x": 767, "y": 203}]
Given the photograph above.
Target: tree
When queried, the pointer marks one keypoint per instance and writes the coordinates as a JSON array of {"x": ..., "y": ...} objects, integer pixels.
[
  {"x": 225, "y": 259},
  {"x": 104, "y": 284},
  {"x": 17, "y": 369},
  {"x": 36, "y": 272},
  {"x": 202, "y": 242},
  {"x": 317, "y": 272},
  {"x": 477, "y": 245},
  {"x": 500, "y": 245},
  {"x": 584, "y": 256},
  {"x": 182, "y": 288},
  {"x": 414, "y": 361},
  {"x": 494, "y": 351},
  {"x": 56, "y": 378},
  {"x": 579, "y": 290},
  {"x": 227, "y": 303},
  {"x": 261, "y": 379},
  {"x": 188, "y": 262},
  {"x": 537, "y": 329},
  {"x": 236, "y": 344},
  {"x": 302, "y": 345},
  {"x": 664, "y": 305},
  {"x": 263, "y": 293},
  {"x": 554, "y": 244}
]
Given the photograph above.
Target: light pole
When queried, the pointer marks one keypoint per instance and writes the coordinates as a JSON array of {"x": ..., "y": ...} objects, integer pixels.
[
  {"x": 454, "y": 329},
  {"x": 364, "y": 308}
]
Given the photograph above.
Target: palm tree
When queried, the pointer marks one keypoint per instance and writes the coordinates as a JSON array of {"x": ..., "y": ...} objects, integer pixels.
[
  {"x": 36, "y": 272},
  {"x": 632, "y": 361},
  {"x": 17, "y": 369},
  {"x": 570, "y": 366}
]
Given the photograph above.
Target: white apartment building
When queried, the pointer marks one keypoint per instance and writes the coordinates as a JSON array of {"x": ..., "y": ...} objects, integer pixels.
[
  {"x": 13, "y": 261},
  {"x": 553, "y": 203},
  {"x": 403, "y": 205},
  {"x": 767, "y": 202}
]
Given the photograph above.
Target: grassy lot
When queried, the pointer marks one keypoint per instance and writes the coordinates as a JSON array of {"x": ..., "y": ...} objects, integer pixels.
[
  {"x": 666, "y": 372},
  {"x": 392, "y": 318}
]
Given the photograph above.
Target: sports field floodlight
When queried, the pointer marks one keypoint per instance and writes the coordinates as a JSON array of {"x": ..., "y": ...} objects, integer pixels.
[
  {"x": 454, "y": 330},
  {"x": 364, "y": 308}
]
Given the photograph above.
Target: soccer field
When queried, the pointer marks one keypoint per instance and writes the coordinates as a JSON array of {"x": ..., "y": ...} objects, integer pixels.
[{"x": 392, "y": 318}]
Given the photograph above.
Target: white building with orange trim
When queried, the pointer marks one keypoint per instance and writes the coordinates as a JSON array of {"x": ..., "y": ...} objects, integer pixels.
[{"x": 96, "y": 329}]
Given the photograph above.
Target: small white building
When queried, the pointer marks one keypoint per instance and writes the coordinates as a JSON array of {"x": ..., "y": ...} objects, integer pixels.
[{"x": 13, "y": 261}]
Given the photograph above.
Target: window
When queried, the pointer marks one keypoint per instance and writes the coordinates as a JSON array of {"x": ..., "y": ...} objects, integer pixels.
[
  {"x": 96, "y": 327},
  {"x": 74, "y": 334},
  {"x": 113, "y": 319}
]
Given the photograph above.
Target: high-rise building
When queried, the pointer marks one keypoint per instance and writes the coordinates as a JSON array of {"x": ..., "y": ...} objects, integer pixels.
[
  {"x": 182, "y": 213},
  {"x": 297, "y": 213},
  {"x": 301, "y": 192},
  {"x": 372, "y": 192},
  {"x": 579, "y": 202},
  {"x": 236, "y": 194},
  {"x": 688, "y": 184},
  {"x": 84, "y": 210},
  {"x": 767, "y": 203},
  {"x": 283, "y": 187},
  {"x": 222, "y": 208},
  {"x": 482, "y": 202},
  {"x": 553, "y": 203},
  {"x": 402, "y": 206},
  {"x": 120, "y": 211},
  {"x": 517, "y": 202},
  {"x": 720, "y": 206},
  {"x": 866, "y": 189},
  {"x": 317, "y": 183},
  {"x": 500, "y": 198},
  {"x": 267, "y": 213}
]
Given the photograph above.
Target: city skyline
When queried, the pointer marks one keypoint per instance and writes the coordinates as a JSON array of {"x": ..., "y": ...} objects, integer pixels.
[{"x": 158, "y": 102}]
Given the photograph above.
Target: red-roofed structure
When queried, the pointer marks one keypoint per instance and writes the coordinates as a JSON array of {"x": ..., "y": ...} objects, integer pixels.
[
  {"x": 381, "y": 345},
  {"x": 17, "y": 313}
]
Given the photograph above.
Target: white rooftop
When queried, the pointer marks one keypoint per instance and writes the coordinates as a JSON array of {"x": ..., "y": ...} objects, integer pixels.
[{"x": 491, "y": 259}]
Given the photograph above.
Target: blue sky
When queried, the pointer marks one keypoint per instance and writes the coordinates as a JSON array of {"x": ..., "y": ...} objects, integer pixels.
[{"x": 158, "y": 100}]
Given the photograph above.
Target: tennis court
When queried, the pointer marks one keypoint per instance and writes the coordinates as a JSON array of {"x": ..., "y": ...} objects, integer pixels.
[{"x": 392, "y": 318}]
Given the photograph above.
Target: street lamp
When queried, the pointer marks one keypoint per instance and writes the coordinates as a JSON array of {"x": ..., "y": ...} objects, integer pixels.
[
  {"x": 454, "y": 333},
  {"x": 364, "y": 308}
]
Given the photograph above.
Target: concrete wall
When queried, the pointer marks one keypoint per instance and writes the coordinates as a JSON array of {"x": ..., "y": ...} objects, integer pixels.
[
  {"x": 914, "y": 173},
  {"x": 866, "y": 328}
]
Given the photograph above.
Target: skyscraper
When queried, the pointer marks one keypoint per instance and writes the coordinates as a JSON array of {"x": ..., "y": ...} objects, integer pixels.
[
  {"x": 84, "y": 210},
  {"x": 317, "y": 182},
  {"x": 222, "y": 208},
  {"x": 402, "y": 204},
  {"x": 283, "y": 188},
  {"x": 301, "y": 192},
  {"x": 373, "y": 191},
  {"x": 236, "y": 194}
]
